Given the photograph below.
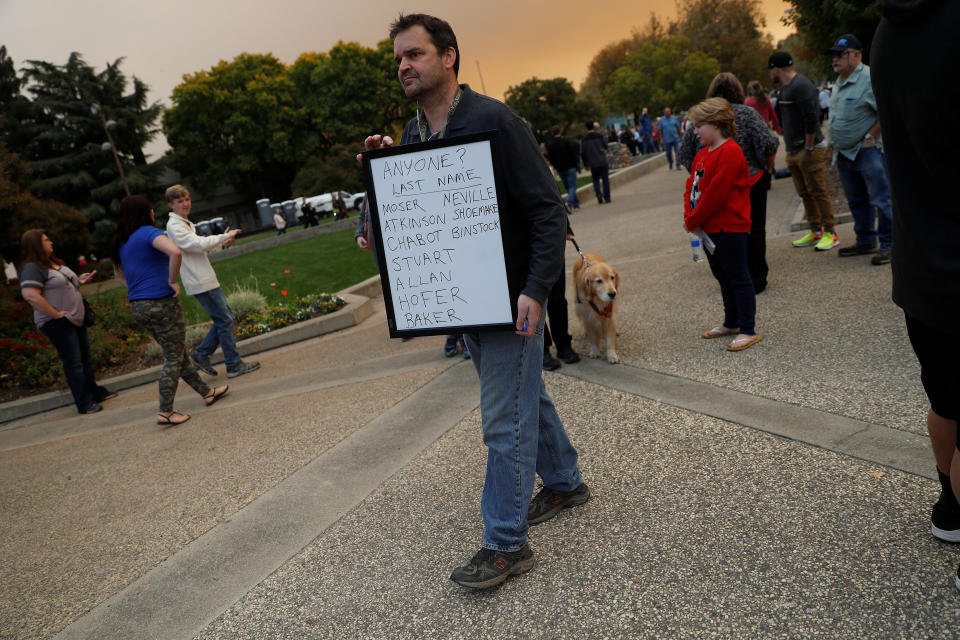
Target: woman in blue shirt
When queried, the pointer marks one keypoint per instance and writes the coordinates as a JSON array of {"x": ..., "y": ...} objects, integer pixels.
[{"x": 148, "y": 262}]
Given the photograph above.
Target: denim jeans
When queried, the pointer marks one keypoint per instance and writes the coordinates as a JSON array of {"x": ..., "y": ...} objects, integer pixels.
[
  {"x": 601, "y": 175},
  {"x": 522, "y": 432},
  {"x": 73, "y": 346},
  {"x": 221, "y": 333},
  {"x": 671, "y": 149},
  {"x": 569, "y": 179},
  {"x": 728, "y": 263},
  {"x": 867, "y": 188}
]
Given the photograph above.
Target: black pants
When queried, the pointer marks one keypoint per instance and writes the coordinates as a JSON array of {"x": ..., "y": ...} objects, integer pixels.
[
  {"x": 757, "y": 240},
  {"x": 557, "y": 315},
  {"x": 601, "y": 175}
]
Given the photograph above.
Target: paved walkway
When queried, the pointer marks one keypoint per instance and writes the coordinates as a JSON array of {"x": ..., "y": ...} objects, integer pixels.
[{"x": 779, "y": 492}]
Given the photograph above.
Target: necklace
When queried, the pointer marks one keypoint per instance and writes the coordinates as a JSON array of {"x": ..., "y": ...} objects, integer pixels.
[{"x": 423, "y": 124}]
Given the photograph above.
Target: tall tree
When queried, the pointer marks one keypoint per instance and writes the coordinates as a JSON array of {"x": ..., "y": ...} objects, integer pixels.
[
  {"x": 730, "y": 31},
  {"x": 615, "y": 55},
  {"x": 821, "y": 22},
  {"x": 238, "y": 123},
  {"x": 348, "y": 92},
  {"x": 661, "y": 73},
  {"x": 544, "y": 103},
  {"x": 63, "y": 140},
  {"x": 21, "y": 210}
]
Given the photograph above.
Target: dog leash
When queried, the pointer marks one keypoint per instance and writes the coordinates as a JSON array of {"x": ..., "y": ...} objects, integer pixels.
[{"x": 586, "y": 262}]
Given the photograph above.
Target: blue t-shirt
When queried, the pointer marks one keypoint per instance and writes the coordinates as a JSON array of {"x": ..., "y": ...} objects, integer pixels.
[
  {"x": 145, "y": 269},
  {"x": 668, "y": 128}
]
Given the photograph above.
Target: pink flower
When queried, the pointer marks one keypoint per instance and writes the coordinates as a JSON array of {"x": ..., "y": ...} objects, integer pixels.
[{"x": 273, "y": 284}]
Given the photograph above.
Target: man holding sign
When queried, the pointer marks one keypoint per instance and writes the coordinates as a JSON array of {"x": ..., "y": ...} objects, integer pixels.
[{"x": 521, "y": 428}]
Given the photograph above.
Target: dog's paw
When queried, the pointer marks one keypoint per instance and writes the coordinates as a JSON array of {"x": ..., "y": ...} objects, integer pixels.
[
  {"x": 594, "y": 352},
  {"x": 612, "y": 357}
]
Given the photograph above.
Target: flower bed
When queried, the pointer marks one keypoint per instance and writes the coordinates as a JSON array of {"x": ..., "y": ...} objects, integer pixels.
[
  {"x": 29, "y": 363},
  {"x": 284, "y": 314}
]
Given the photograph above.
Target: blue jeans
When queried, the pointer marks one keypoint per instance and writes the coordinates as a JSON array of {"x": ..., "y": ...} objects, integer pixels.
[
  {"x": 728, "y": 263},
  {"x": 647, "y": 144},
  {"x": 601, "y": 175},
  {"x": 867, "y": 188},
  {"x": 522, "y": 432},
  {"x": 671, "y": 148},
  {"x": 221, "y": 333},
  {"x": 569, "y": 179},
  {"x": 73, "y": 346}
]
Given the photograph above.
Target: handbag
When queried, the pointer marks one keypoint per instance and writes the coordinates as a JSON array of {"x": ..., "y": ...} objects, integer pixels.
[{"x": 89, "y": 315}]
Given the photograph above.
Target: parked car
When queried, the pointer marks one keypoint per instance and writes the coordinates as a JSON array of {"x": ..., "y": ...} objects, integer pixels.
[{"x": 323, "y": 203}]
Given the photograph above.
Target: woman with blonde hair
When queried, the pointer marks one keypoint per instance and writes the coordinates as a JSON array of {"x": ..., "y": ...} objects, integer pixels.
[{"x": 717, "y": 202}]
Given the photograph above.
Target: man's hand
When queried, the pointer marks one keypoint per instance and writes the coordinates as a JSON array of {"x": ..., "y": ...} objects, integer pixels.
[
  {"x": 176, "y": 289},
  {"x": 362, "y": 242},
  {"x": 375, "y": 141},
  {"x": 870, "y": 142},
  {"x": 231, "y": 236},
  {"x": 528, "y": 315}
]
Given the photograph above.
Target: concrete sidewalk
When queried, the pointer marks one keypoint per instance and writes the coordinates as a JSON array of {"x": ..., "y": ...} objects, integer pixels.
[{"x": 782, "y": 491}]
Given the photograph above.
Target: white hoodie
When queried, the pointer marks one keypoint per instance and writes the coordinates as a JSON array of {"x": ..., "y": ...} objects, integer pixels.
[{"x": 195, "y": 270}]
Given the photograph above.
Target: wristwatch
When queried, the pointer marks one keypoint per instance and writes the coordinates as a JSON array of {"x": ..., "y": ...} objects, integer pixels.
[{"x": 869, "y": 136}]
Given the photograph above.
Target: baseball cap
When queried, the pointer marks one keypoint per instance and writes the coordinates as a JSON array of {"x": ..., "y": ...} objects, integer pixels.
[
  {"x": 780, "y": 59},
  {"x": 844, "y": 42}
]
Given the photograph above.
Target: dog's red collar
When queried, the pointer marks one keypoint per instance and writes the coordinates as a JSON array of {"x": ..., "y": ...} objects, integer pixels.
[{"x": 607, "y": 310}]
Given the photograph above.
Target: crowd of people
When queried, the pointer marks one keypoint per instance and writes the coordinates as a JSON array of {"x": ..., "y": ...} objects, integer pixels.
[{"x": 726, "y": 142}]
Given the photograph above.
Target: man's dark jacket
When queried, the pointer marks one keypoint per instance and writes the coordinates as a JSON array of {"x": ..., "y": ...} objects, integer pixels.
[
  {"x": 593, "y": 149},
  {"x": 534, "y": 220},
  {"x": 564, "y": 154},
  {"x": 917, "y": 105}
]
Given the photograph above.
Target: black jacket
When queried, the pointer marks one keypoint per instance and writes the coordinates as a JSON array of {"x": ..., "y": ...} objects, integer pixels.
[
  {"x": 593, "y": 149},
  {"x": 917, "y": 105},
  {"x": 533, "y": 221},
  {"x": 564, "y": 154}
]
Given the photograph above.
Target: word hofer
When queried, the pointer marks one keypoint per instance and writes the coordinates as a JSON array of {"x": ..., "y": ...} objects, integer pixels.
[
  {"x": 438, "y": 233},
  {"x": 430, "y": 308}
]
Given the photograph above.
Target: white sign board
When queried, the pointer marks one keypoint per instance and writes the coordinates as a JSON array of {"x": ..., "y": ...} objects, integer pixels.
[{"x": 435, "y": 218}]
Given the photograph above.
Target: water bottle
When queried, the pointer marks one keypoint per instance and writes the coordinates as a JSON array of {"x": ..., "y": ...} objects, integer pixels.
[{"x": 698, "y": 255}]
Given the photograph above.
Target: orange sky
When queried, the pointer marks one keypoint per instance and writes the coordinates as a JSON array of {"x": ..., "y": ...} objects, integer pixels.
[{"x": 164, "y": 39}]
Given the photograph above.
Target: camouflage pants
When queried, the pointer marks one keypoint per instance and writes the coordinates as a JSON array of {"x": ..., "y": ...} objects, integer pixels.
[{"x": 163, "y": 319}]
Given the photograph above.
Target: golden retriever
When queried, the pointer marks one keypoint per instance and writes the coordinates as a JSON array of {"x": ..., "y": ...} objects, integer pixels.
[{"x": 597, "y": 284}]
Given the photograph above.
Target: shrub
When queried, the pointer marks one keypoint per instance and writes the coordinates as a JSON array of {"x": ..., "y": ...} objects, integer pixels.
[
  {"x": 246, "y": 300},
  {"x": 27, "y": 359}
]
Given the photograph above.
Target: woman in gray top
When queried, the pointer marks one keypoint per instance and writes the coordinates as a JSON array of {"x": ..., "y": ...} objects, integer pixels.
[
  {"x": 759, "y": 144},
  {"x": 53, "y": 290}
]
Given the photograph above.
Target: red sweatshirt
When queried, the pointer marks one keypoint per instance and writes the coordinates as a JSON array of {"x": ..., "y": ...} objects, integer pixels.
[{"x": 718, "y": 190}]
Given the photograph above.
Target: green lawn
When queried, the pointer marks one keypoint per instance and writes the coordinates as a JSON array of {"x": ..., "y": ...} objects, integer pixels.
[
  {"x": 581, "y": 180},
  {"x": 326, "y": 263}
]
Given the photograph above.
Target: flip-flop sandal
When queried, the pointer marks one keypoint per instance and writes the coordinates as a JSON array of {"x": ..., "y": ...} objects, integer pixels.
[
  {"x": 739, "y": 344},
  {"x": 213, "y": 396},
  {"x": 169, "y": 421},
  {"x": 719, "y": 332}
]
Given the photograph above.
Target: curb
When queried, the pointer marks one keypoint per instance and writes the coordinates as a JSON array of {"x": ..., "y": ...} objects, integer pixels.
[
  {"x": 632, "y": 172},
  {"x": 357, "y": 309}
]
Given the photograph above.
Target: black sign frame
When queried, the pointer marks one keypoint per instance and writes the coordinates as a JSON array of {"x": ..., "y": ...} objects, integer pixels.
[{"x": 376, "y": 233}]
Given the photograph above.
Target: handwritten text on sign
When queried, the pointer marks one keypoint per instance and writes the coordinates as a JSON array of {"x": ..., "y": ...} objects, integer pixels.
[{"x": 440, "y": 229}]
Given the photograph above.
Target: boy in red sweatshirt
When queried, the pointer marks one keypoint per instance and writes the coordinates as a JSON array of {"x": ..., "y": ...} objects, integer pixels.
[{"x": 717, "y": 202}]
